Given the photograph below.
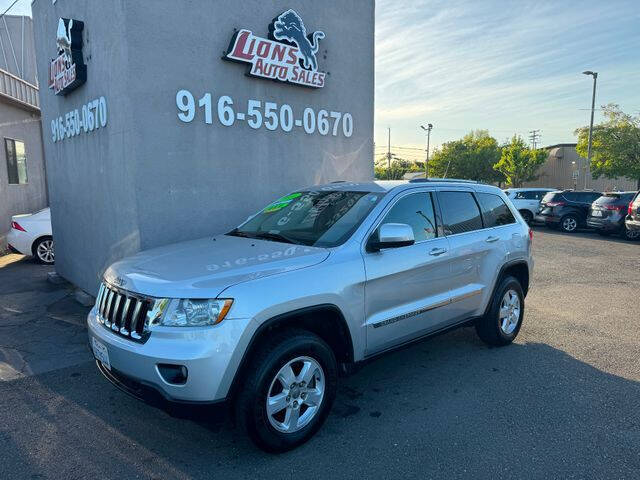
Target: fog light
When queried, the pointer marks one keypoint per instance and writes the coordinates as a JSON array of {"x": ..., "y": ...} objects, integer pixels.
[{"x": 174, "y": 374}]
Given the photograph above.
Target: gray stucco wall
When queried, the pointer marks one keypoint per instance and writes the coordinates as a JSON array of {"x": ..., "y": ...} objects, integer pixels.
[
  {"x": 148, "y": 179},
  {"x": 19, "y": 124}
]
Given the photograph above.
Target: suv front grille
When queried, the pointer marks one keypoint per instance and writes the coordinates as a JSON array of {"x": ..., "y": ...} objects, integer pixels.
[{"x": 122, "y": 312}]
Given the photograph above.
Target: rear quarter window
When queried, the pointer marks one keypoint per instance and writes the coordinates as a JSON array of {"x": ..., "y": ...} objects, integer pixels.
[{"x": 551, "y": 197}]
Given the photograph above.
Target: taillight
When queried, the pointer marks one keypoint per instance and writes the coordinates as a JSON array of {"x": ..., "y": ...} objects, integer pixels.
[
  {"x": 17, "y": 226},
  {"x": 630, "y": 209},
  {"x": 530, "y": 236},
  {"x": 556, "y": 204},
  {"x": 614, "y": 207}
]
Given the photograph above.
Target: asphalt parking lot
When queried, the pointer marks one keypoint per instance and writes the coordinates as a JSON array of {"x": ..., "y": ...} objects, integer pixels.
[{"x": 562, "y": 402}]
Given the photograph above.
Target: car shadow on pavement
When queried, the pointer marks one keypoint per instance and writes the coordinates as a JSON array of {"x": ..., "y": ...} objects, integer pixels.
[{"x": 450, "y": 407}]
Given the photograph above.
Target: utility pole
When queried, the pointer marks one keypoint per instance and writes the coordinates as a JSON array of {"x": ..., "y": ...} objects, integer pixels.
[
  {"x": 593, "y": 104},
  {"x": 426, "y": 163},
  {"x": 389, "y": 149},
  {"x": 534, "y": 136}
]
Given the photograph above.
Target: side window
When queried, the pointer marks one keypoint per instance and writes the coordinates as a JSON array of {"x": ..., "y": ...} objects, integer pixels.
[
  {"x": 460, "y": 212},
  {"x": 571, "y": 196},
  {"x": 521, "y": 196},
  {"x": 417, "y": 211},
  {"x": 16, "y": 161},
  {"x": 494, "y": 211}
]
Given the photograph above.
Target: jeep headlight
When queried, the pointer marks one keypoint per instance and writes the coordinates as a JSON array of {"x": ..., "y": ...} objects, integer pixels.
[{"x": 194, "y": 312}]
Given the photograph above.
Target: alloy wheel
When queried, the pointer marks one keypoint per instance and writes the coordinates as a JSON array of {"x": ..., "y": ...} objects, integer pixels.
[
  {"x": 569, "y": 224},
  {"x": 45, "y": 251},
  {"x": 509, "y": 312},
  {"x": 295, "y": 394}
]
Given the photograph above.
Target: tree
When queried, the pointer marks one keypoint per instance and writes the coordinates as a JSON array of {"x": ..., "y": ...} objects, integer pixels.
[
  {"x": 398, "y": 168},
  {"x": 615, "y": 150},
  {"x": 472, "y": 157},
  {"x": 518, "y": 163}
]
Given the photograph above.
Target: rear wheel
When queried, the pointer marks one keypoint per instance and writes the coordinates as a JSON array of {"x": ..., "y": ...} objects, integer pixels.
[
  {"x": 289, "y": 391},
  {"x": 569, "y": 223},
  {"x": 43, "y": 250},
  {"x": 501, "y": 324},
  {"x": 527, "y": 215}
]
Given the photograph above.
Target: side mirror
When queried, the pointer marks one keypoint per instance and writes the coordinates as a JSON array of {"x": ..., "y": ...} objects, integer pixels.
[{"x": 393, "y": 235}]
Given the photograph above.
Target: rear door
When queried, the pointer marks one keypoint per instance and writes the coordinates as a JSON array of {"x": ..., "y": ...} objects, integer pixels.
[
  {"x": 470, "y": 244},
  {"x": 407, "y": 288}
]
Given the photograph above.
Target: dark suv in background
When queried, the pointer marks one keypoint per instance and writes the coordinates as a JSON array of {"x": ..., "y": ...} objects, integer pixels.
[
  {"x": 566, "y": 209},
  {"x": 607, "y": 214},
  {"x": 632, "y": 221}
]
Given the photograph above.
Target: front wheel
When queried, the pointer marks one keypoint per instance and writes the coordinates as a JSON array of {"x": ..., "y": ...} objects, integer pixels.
[
  {"x": 630, "y": 234},
  {"x": 501, "y": 324},
  {"x": 289, "y": 391},
  {"x": 569, "y": 223}
]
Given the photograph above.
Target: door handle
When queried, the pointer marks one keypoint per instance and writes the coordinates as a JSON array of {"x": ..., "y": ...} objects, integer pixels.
[
  {"x": 492, "y": 239},
  {"x": 437, "y": 251}
]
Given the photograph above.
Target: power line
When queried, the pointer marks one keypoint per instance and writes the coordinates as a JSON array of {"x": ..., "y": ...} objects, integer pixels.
[{"x": 9, "y": 8}]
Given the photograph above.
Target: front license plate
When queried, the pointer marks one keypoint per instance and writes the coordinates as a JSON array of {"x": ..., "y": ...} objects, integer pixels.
[
  {"x": 101, "y": 353},
  {"x": 596, "y": 213}
]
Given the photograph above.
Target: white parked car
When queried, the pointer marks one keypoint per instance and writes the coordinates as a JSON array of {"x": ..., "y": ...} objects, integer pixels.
[
  {"x": 30, "y": 234},
  {"x": 527, "y": 200}
]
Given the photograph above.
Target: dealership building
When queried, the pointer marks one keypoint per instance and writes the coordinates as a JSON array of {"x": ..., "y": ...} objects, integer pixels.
[{"x": 165, "y": 122}]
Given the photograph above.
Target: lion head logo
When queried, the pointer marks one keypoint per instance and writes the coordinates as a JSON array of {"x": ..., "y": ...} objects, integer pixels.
[{"x": 288, "y": 26}]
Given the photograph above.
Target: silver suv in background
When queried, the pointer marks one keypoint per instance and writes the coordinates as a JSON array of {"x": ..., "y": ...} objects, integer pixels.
[{"x": 266, "y": 315}]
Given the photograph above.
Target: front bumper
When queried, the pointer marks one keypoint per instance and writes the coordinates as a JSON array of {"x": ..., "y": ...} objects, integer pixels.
[{"x": 211, "y": 354}]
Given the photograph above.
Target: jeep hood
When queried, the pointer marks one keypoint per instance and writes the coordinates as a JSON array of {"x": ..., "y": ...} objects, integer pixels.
[{"x": 204, "y": 268}]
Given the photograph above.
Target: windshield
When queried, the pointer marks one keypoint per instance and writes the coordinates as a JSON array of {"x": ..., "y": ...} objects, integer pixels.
[{"x": 315, "y": 218}]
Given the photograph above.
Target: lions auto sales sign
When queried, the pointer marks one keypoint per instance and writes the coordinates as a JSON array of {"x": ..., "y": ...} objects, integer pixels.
[
  {"x": 67, "y": 71},
  {"x": 288, "y": 55}
]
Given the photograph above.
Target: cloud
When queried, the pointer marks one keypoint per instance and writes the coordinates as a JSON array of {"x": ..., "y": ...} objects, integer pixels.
[{"x": 501, "y": 65}]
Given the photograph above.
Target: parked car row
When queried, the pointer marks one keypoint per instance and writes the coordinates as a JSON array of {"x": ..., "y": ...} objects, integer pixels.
[{"x": 568, "y": 210}]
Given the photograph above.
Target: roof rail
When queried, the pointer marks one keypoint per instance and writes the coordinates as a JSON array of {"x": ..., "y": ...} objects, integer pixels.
[{"x": 451, "y": 180}]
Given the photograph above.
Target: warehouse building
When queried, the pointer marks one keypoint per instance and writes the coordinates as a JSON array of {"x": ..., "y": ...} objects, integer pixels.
[{"x": 22, "y": 170}]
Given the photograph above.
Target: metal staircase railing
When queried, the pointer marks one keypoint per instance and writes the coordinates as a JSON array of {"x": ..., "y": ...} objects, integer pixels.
[{"x": 16, "y": 90}]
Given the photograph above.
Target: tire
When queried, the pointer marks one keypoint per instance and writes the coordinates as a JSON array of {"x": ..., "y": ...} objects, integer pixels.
[
  {"x": 294, "y": 348},
  {"x": 569, "y": 223},
  {"x": 527, "y": 215},
  {"x": 631, "y": 235},
  {"x": 491, "y": 328},
  {"x": 43, "y": 250}
]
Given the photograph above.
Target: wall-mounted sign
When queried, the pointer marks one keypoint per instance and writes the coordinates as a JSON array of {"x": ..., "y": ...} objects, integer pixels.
[
  {"x": 67, "y": 71},
  {"x": 288, "y": 55}
]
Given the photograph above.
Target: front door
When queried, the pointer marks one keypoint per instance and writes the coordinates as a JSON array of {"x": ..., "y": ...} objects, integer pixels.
[{"x": 407, "y": 288}]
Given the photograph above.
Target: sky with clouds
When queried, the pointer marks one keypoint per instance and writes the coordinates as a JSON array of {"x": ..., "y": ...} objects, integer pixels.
[{"x": 506, "y": 66}]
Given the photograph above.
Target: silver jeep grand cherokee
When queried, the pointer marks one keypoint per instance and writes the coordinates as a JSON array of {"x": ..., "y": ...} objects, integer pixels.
[{"x": 266, "y": 315}]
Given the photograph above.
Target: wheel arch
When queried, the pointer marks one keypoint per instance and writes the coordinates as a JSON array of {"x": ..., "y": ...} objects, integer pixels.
[
  {"x": 516, "y": 268},
  {"x": 36, "y": 240},
  {"x": 325, "y": 320}
]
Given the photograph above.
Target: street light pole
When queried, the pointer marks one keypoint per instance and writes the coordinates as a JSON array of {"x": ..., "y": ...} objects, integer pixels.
[
  {"x": 593, "y": 105},
  {"x": 426, "y": 163}
]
